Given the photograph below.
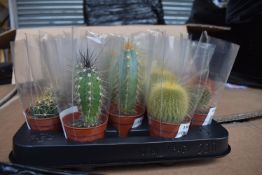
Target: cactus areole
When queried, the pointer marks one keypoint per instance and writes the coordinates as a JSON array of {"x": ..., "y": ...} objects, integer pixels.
[{"x": 88, "y": 92}]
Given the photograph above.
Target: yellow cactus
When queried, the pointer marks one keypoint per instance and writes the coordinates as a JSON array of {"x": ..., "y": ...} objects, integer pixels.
[
  {"x": 161, "y": 75},
  {"x": 168, "y": 102}
]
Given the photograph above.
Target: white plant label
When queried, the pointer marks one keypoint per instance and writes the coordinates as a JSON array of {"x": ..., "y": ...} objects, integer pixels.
[
  {"x": 26, "y": 121},
  {"x": 210, "y": 116},
  {"x": 137, "y": 122},
  {"x": 64, "y": 113},
  {"x": 183, "y": 129}
]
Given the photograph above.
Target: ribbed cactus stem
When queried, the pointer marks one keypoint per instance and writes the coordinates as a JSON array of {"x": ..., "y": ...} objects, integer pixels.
[
  {"x": 127, "y": 81},
  {"x": 168, "y": 102},
  {"x": 88, "y": 92}
]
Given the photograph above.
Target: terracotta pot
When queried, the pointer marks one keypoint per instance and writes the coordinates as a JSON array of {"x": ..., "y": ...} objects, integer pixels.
[
  {"x": 123, "y": 123},
  {"x": 44, "y": 124},
  {"x": 161, "y": 129},
  {"x": 198, "y": 119},
  {"x": 84, "y": 134}
]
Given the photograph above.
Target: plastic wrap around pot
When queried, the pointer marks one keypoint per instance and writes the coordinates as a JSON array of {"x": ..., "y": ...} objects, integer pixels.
[
  {"x": 178, "y": 68},
  {"x": 127, "y": 79},
  {"x": 83, "y": 99},
  {"x": 40, "y": 107},
  {"x": 22, "y": 74},
  {"x": 219, "y": 69},
  {"x": 59, "y": 57}
]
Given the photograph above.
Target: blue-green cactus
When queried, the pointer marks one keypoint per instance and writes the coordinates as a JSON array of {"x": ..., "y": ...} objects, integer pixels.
[
  {"x": 88, "y": 91},
  {"x": 127, "y": 81}
]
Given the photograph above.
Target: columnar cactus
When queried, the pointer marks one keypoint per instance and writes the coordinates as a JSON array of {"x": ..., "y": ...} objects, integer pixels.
[
  {"x": 168, "y": 102},
  {"x": 88, "y": 91},
  {"x": 45, "y": 105},
  {"x": 127, "y": 81}
]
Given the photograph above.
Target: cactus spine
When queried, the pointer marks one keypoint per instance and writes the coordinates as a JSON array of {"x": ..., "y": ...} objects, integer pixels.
[
  {"x": 168, "y": 102},
  {"x": 45, "y": 105},
  {"x": 128, "y": 79},
  {"x": 199, "y": 98},
  {"x": 161, "y": 75},
  {"x": 88, "y": 91}
]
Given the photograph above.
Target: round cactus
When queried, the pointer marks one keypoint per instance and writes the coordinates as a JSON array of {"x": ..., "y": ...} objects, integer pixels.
[
  {"x": 199, "y": 99},
  {"x": 127, "y": 78},
  {"x": 45, "y": 105},
  {"x": 88, "y": 91},
  {"x": 161, "y": 75},
  {"x": 168, "y": 102}
]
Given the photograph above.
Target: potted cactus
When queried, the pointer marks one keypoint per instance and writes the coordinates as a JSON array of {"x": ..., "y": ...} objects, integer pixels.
[
  {"x": 90, "y": 123},
  {"x": 202, "y": 107},
  {"x": 161, "y": 74},
  {"x": 43, "y": 115},
  {"x": 127, "y": 106},
  {"x": 167, "y": 107}
]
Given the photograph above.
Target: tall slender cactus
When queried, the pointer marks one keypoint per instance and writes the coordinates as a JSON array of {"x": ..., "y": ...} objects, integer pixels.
[
  {"x": 128, "y": 80},
  {"x": 88, "y": 90}
]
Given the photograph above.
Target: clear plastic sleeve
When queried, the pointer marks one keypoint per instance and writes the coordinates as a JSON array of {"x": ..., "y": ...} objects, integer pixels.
[
  {"x": 178, "y": 68},
  {"x": 127, "y": 77},
  {"x": 57, "y": 51},
  {"x": 22, "y": 75},
  {"x": 40, "y": 107},
  {"x": 219, "y": 69},
  {"x": 83, "y": 99}
]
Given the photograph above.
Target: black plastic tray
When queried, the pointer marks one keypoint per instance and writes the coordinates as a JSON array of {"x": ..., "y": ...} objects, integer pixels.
[{"x": 52, "y": 149}]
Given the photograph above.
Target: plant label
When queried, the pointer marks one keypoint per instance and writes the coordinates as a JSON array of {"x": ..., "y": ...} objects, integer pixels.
[
  {"x": 183, "y": 129},
  {"x": 210, "y": 116},
  {"x": 137, "y": 122}
]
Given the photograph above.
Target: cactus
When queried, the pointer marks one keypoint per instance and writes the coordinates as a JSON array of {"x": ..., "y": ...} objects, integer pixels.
[
  {"x": 88, "y": 92},
  {"x": 200, "y": 95},
  {"x": 127, "y": 81},
  {"x": 45, "y": 105},
  {"x": 168, "y": 102},
  {"x": 161, "y": 75}
]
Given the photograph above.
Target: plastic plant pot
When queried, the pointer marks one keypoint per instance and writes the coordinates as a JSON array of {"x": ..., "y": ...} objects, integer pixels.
[
  {"x": 123, "y": 123},
  {"x": 50, "y": 123},
  {"x": 89, "y": 134}
]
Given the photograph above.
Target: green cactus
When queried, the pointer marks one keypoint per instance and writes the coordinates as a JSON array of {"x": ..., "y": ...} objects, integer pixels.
[
  {"x": 127, "y": 81},
  {"x": 168, "y": 102},
  {"x": 88, "y": 92},
  {"x": 161, "y": 75},
  {"x": 200, "y": 95},
  {"x": 45, "y": 105}
]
